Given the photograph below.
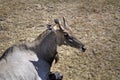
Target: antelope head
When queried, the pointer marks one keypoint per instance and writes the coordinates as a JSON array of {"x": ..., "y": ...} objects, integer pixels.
[{"x": 66, "y": 37}]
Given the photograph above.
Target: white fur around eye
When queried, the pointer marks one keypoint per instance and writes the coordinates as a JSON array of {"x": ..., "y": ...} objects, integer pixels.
[{"x": 70, "y": 40}]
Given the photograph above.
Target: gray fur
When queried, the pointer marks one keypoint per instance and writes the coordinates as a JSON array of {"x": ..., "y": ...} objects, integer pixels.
[
  {"x": 29, "y": 61},
  {"x": 32, "y": 61}
]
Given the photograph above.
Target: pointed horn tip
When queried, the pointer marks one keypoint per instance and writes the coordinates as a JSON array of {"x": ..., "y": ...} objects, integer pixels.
[
  {"x": 64, "y": 19},
  {"x": 56, "y": 21}
]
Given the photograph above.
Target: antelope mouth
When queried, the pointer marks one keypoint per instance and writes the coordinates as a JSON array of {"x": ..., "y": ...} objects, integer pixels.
[{"x": 83, "y": 49}]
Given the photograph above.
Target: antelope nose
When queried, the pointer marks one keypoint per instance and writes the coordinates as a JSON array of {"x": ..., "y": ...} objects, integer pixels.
[{"x": 84, "y": 49}]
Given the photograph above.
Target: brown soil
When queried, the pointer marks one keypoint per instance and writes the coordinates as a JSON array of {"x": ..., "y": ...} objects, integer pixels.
[{"x": 95, "y": 23}]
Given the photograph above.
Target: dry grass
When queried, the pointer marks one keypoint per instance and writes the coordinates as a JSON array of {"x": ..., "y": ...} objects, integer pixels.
[{"x": 95, "y": 22}]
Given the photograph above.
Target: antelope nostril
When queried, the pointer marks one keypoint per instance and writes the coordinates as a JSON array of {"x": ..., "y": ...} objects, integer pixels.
[{"x": 84, "y": 49}]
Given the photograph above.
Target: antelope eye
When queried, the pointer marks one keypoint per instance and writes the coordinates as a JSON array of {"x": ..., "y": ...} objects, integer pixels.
[{"x": 65, "y": 34}]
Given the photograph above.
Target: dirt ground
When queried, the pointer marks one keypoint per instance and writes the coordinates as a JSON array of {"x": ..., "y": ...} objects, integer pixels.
[{"x": 96, "y": 23}]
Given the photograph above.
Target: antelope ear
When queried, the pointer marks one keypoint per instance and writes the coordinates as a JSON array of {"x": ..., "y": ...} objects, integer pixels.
[
  {"x": 50, "y": 27},
  {"x": 57, "y": 25}
]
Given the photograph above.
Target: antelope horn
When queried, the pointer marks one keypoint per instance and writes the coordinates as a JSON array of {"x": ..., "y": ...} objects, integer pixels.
[{"x": 64, "y": 23}]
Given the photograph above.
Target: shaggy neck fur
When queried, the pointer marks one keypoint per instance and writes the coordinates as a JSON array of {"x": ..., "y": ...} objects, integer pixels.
[{"x": 45, "y": 46}]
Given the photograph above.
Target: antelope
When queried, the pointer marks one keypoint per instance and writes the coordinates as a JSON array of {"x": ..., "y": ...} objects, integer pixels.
[{"x": 33, "y": 60}]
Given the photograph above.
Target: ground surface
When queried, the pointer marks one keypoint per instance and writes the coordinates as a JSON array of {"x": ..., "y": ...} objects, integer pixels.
[{"x": 95, "y": 22}]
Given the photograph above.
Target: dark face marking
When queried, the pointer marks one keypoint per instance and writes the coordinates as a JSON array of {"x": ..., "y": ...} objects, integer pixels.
[{"x": 74, "y": 42}]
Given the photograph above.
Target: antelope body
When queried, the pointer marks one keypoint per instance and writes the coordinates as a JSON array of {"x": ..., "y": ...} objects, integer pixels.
[{"x": 33, "y": 60}]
